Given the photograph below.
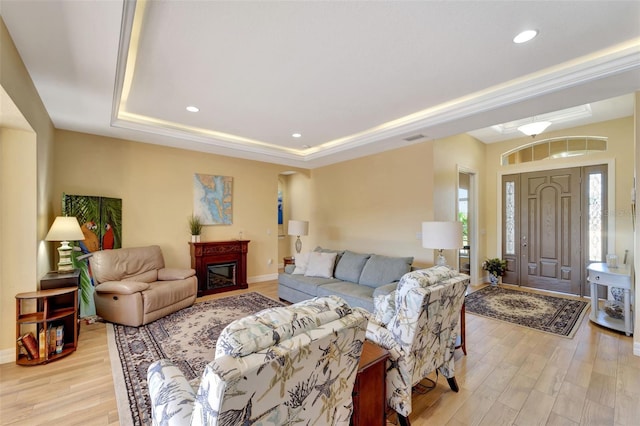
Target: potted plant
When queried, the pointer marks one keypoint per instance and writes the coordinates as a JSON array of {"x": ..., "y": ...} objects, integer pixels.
[
  {"x": 195, "y": 226},
  {"x": 496, "y": 268}
]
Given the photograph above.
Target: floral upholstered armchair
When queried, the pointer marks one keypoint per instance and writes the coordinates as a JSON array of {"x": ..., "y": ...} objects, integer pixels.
[
  {"x": 290, "y": 365},
  {"x": 417, "y": 324}
]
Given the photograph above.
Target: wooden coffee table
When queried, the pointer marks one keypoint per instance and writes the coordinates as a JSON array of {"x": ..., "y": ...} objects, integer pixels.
[{"x": 369, "y": 391}]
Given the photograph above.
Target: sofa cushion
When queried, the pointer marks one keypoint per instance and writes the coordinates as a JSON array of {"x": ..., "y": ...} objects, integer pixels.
[
  {"x": 350, "y": 266},
  {"x": 355, "y": 295},
  {"x": 271, "y": 326},
  {"x": 122, "y": 287},
  {"x": 381, "y": 270},
  {"x": 320, "y": 265},
  {"x": 301, "y": 262},
  {"x": 385, "y": 289},
  {"x": 145, "y": 277},
  {"x": 308, "y": 285}
]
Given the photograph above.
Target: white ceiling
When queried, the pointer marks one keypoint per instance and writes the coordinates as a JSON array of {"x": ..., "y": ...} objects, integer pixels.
[{"x": 354, "y": 77}]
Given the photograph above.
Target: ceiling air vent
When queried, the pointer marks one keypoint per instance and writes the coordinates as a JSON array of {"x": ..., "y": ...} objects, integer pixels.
[{"x": 414, "y": 137}]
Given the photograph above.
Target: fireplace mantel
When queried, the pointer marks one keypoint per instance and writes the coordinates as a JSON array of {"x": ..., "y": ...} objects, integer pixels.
[{"x": 206, "y": 254}]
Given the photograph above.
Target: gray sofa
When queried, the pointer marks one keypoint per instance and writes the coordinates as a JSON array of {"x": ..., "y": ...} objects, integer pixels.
[{"x": 356, "y": 277}]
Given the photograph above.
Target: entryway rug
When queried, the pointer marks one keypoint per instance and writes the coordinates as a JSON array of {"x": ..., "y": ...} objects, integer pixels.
[
  {"x": 557, "y": 315},
  {"x": 187, "y": 337}
]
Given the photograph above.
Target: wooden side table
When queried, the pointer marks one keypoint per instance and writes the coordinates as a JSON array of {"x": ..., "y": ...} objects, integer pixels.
[
  {"x": 53, "y": 309},
  {"x": 289, "y": 260},
  {"x": 369, "y": 391},
  {"x": 63, "y": 279},
  {"x": 463, "y": 332}
]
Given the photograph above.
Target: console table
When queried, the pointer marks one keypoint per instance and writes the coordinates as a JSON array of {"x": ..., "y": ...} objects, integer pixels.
[
  {"x": 601, "y": 274},
  {"x": 220, "y": 265}
]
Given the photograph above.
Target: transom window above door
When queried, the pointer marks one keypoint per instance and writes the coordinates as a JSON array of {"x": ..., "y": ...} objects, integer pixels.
[{"x": 568, "y": 146}]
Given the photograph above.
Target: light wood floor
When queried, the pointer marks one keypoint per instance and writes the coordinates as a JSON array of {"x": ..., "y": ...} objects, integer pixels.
[{"x": 510, "y": 376}]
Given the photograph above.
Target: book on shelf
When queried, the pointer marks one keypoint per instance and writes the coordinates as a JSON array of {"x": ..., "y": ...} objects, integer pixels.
[
  {"x": 28, "y": 342},
  {"x": 59, "y": 338},
  {"x": 55, "y": 339},
  {"x": 51, "y": 339},
  {"x": 22, "y": 350},
  {"x": 42, "y": 344}
]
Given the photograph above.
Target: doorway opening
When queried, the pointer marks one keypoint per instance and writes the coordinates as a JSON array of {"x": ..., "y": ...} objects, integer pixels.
[{"x": 467, "y": 214}]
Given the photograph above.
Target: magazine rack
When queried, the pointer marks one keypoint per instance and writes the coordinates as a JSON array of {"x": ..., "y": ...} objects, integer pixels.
[{"x": 37, "y": 313}]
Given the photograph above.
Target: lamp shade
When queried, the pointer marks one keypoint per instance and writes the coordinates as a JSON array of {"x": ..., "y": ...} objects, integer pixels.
[
  {"x": 298, "y": 227},
  {"x": 65, "y": 228},
  {"x": 442, "y": 235}
]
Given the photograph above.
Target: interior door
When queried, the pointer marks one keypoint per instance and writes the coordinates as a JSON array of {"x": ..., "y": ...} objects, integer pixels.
[{"x": 545, "y": 250}]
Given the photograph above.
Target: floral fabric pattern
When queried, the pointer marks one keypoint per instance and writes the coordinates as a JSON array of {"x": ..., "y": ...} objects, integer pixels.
[
  {"x": 268, "y": 327},
  {"x": 420, "y": 334},
  {"x": 306, "y": 377}
]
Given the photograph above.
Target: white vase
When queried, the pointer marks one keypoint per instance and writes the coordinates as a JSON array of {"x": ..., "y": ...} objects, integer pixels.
[
  {"x": 494, "y": 279},
  {"x": 195, "y": 238}
]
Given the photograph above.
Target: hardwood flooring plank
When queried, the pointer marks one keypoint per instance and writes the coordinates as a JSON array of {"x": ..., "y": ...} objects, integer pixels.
[
  {"x": 535, "y": 410},
  {"x": 570, "y": 402},
  {"x": 511, "y": 376},
  {"x": 595, "y": 414}
]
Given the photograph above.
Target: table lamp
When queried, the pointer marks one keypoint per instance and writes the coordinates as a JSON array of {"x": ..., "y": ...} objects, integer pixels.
[
  {"x": 298, "y": 227},
  {"x": 442, "y": 236},
  {"x": 65, "y": 229}
]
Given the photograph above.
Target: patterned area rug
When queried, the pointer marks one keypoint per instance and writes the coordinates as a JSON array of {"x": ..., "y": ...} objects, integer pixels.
[
  {"x": 550, "y": 314},
  {"x": 187, "y": 337}
]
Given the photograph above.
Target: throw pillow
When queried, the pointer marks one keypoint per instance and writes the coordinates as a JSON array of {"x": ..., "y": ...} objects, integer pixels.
[
  {"x": 381, "y": 270},
  {"x": 301, "y": 260},
  {"x": 320, "y": 265},
  {"x": 350, "y": 266}
]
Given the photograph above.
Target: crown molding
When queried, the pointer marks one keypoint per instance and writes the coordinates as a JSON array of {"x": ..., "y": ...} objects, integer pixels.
[{"x": 614, "y": 60}]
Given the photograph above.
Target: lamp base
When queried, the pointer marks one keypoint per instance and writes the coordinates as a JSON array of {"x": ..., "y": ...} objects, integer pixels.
[
  {"x": 441, "y": 261},
  {"x": 298, "y": 245},
  {"x": 64, "y": 253}
]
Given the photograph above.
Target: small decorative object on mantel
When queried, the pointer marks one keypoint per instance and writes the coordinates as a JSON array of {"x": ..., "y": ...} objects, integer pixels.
[
  {"x": 195, "y": 226},
  {"x": 496, "y": 268}
]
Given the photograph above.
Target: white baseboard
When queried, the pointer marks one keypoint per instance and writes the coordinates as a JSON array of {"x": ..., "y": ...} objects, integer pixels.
[
  {"x": 261, "y": 278},
  {"x": 7, "y": 355},
  {"x": 636, "y": 348}
]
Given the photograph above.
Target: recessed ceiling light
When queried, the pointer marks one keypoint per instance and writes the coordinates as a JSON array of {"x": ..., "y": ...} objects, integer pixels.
[
  {"x": 297, "y": 135},
  {"x": 525, "y": 36},
  {"x": 192, "y": 108}
]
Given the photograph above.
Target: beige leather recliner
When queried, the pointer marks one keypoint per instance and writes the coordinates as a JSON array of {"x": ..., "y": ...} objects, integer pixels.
[{"x": 134, "y": 288}]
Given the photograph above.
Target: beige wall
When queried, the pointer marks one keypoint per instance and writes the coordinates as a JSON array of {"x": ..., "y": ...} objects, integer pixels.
[
  {"x": 25, "y": 214},
  {"x": 461, "y": 153},
  {"x": 17, "y": 224},
  {"x": 299, "y": 208},
  {"x": 374, "y": 204},
  {"x": 156, "y": 187}
]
